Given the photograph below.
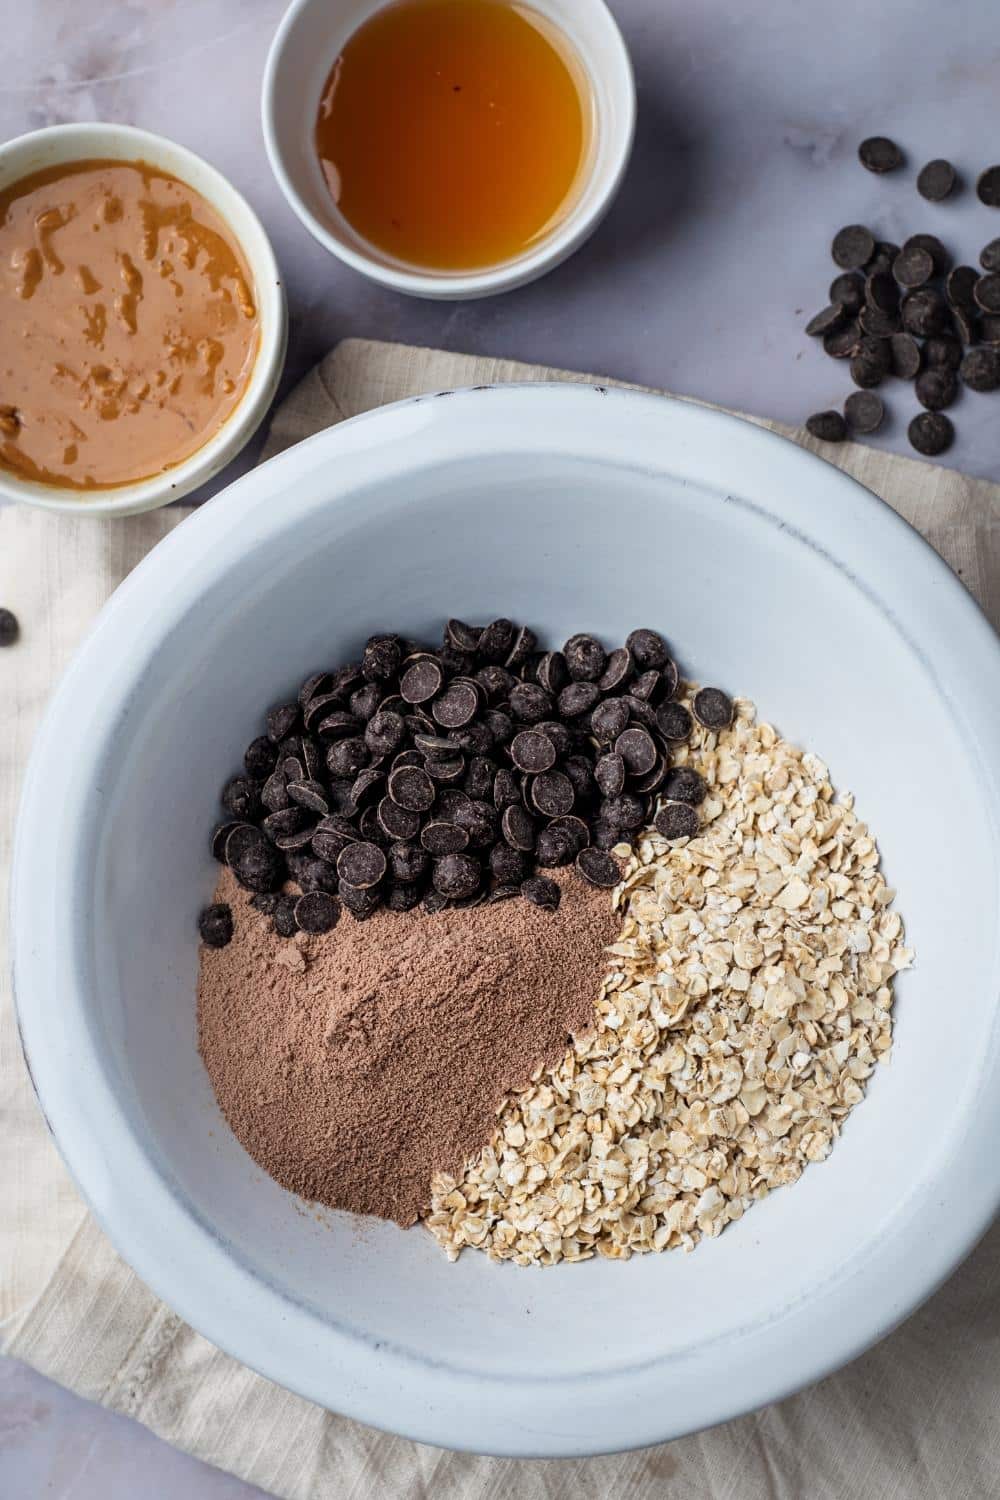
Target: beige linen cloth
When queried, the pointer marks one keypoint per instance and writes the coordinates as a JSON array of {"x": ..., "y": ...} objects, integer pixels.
[{"x": 916, "y": 1418}]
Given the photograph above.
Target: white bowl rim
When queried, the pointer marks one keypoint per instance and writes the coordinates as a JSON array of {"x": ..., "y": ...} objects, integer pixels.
[
  {"x": 554, "y": 249},
  {"x": 238, "y": 429},
  {"x": 176, "y": 1252}
]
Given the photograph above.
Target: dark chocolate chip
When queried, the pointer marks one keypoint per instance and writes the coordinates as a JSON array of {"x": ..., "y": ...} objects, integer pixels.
[
  {"x": 849, "y": 290},
  {"x": 505, "y": 790},
  {"x": 215, "y": 924},
  {"x": 609, "y": 774},
  {"x": 924, "y": 312},
  {"x": 943, "y": 352},
  {"x": 9, "y": 627},
  {"x": 678, "y": 820},
  {"x": 853, "y": 247},
  {"x": 338, "y": 724},
  {"x": 864, "y": 411},
  {"x": 618, "y": 669},
  {"x": 281, "y": 720},
  {"x": 348, "y": 756},
  {"x": 637, "y": 750},
  {"x": 960, "y": 287},
  {"x": 403, "y": 896},
  {"x": 291, "y": 842},
  {"x": 872, "y": 362},
  {"x": 989, "y": 256},
  {"x": 598, "y": 868},
  {"x": 713, "y": 708},
  {"x": 989, "y": 330},
  {"x": 309, "y": 794},
  {"x": 609, "y": 719},
  {"x": 674, "y": 722},
  {"x": 912, "y": 267},
  {"x": 496, "y": 640},
  {"x": 256, "y": 863},
  {"x": 365, "y": 786},
  {"x": 828, "y": 321},
  {"x": 936, "y": 389},
  {"x": 828, "y": 426},
  {"x": 457, "y": 875},
  {"x": 560, "y": 735},
  {"x": 980, "y": 369},
  {"x": 507, "y": 865},
  {"x": 987, "y": 292},
  {"x": 317, "y": 875},
  {"x": 289, "y": 820},
  {"x": 877, "y": 324},
  {"x": 364, "y": 701},
  {"x": 641, "y": 711},
  {"x": 930, "y": 242},
  {"x": 478, "y": 780},
  {"x": 283, "y": 917},
  {"x": 585, "y": 657},
  {"x": 381, "y": 658},
  {"x": 552, "y": 794},
  {"x": 532, "y": 751},
  {"x": 966, "y": 325},
  {"x": 578, "y": 698},
  {"x": 361, "y": 865},
  {"x": 649, "y": 686},
  {"x": 541, "y": 892},
  {"x": 931, "y": 433},
  {"x": 412, "y": 788},
  {"x": 649, "y": 650},
  {"x": 905, "y": 353},
  {"x": 500, "y": 725},
  {"x": 385, "y": 732},
  {"x": 936, "y": 180},
  {"x": 580, "y": 773},
  {"x": 407, "y": 861},
  {"x": 462, "y": 637},
  {"x": 316, "y": 912},
  {"x": 988, "y": 187},
  {"x": 654, "y": 777},
  {"x": 530, "y": 703},
  {"x": 241, "y": 797},
  {"x": 220, "y": 838},
  {"x": 359, "y": 903},
  {"x": 683, "y": 784},
  {"x": 457, "y": 705},
  {"x": 397, "y": 822},
  {"x": 446, "y": 769},
  {"x": 879, "y": 154},
  {"x": 844, "y": 342},
  {"x": 518, "y": 827},
  {"x": 553, "y": 673},
  {"x": 523, "y": 647},
  {"x": 625, "y": 811},
  {"x": 259, "y": 757},
  {"x": 265, "y": 902},
  {"x": 603, "y": 836},
  {"x": 422, "y": 680},
  {"x": 553, "y": 848},
  {"x": 439, "y": 837}
]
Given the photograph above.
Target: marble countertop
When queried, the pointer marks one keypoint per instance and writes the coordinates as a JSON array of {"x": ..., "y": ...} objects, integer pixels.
[{"x": 699, "y": 281}]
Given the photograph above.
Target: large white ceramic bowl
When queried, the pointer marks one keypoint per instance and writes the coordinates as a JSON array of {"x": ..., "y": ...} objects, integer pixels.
[
  {"x": 58, "y": 145},
  {"x": 570, "y": 508}
]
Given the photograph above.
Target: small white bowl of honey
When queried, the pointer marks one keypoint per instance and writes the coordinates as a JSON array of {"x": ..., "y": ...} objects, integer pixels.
[{"x": 449, "y": 148}]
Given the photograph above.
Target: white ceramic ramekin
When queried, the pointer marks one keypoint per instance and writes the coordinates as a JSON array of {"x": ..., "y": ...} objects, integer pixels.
[
  {"x": 307, "y": 42},
  {"x": 69, "y": 143}
]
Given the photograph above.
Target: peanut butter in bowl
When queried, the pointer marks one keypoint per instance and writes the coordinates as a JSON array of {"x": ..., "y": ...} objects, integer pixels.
[{"x": 129, "y": 324}]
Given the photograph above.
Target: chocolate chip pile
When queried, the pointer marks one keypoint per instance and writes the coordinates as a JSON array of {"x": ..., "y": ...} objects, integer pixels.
[
  {"x": 908, "y": 311},
  {"x": 455, "y": 775}
]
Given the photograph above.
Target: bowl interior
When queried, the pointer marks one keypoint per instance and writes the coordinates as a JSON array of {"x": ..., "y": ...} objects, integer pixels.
[
  {"x": 567, "y": 515},
  {"x": 306, "y": 46}
]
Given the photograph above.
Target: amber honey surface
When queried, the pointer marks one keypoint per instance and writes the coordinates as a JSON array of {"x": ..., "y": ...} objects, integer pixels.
[{"x": 454, "y": 134}]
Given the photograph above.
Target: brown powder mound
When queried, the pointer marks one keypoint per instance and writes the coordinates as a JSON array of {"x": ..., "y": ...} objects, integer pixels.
[{"x": 355, "y": 1065}]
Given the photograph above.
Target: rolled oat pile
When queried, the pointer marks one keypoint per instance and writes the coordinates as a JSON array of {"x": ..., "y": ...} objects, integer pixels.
[{"x": 749, "y": 1000}]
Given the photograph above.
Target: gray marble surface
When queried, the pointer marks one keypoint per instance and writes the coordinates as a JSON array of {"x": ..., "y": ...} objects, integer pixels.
[{"x": 699, "y": 281}]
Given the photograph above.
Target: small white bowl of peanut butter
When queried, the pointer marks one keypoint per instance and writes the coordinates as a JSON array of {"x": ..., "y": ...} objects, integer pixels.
[{"x": 144, "y": 320}]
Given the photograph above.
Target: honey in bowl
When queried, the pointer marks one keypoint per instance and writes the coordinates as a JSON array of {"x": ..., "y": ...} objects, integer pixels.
[
  {"x": 455, "y": 134},
  {"x": 128, "y": 324}
]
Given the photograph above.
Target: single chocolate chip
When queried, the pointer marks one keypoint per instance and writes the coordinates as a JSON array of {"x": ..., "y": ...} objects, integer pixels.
[
  {"x": 215, "y": 924},
  {"x": 532, "y": 751},
  {"x": 359, "y": 903},
  {"x": 872, "y": 362},
  {"x": 552, "y": 794},
  {"x": 879, "y": 154},
  {"x": 316, "y": 875},
  {"x": 828, "y": 321},
  {"x": 530, "y": 703},
  {"x": 289, "y": 820},
  {"x": 285, "y": 924},
  {"x": 553, "y": 673},
  {"x": 397, "y": 822},
  {"x": 9, "y": 628},
  {"x": 265, "y": 902},
  {"x": 943, "y": 352},
  {"x": 381, "y": 658},
  {"x": 508, "y": 865},
  {"x": 960, "y": 287},
  {"x": 988, "y": 187},
  {"x": 478, "y": 780},
  {"x": 936, "y": 180},
  {"x": 316, "y": 912},
  {"x": 505, "y": 790},
  {"x": 843, "y": 343},
  {"x": 966, "y": 324},
  {"x": 912, "y": 267},
  {"x": 598, "y": 868},
  {"x": 674, "y": 722},
  {"x": 637, "y": 750},
  {"x": 853, "y": 247},
  {"x": 578, "y": 769},
  {"x": 987, "y": 292},
  {"x": 678, "y": 820},
  {"x": 625, "y": 811},
  {"x": 980, "y": 369},
  {"x": 935, "y": 249},
  {"x": 292, "y": 768},
  {"x": 936, "y": 389},
  {"x": 403, "y": 896},
  {"x": 924, "y": 312},
  {"x": 882, "y": 291},
  {"x": 542, "y": 892},
  {"x": 931, "y": 433},
  {"x": 445, "y": 769},
  {"x": 553, "y": 848},
  {"x": 649, "y": 650},
  {"x": 603, "y": 835},
  {"x": 361, "y": 865},
  {"x": 348, "y": 756},
  {"x": 475, "y": 738},
  {"x": 649, "y": 686},
  {"x": 385, "y": 732},
  {"x": 365, "y": 786},
  {"x": 457, "y": 705},
  {"x": 290, "y": 843},
  {"x": 259, "y": 757},
  {"x": 864, "y": 411},
  {"x": 828, "y": 426},
  {"x": 422, "y": 680},
  {"x": 319, "y": 683},
  {"x": 327, "y": 843},
  {"x": 256, "y": 863},
  {"x": 585, "y": 658},
  {"x": 241, "y": 797},
  {"x": 713, "y": 708},
  {"x": 434, "y": 902},
  {"x": 407, "y": 861},
  {"x": 989, "y": 256},
  {"x": 496, "y": 640},
  {"x": 877, "y": 324},
  {"x": 849, "y": 290},
  {"x": 573, "y": 830},
  {"x": 654, "y": 777},
  {"x": 411, "y": 787},
  {"x": 685, "y": 785},
  {"x": 364, "y": 701},
  {"x": 338, "y": 725},
  {"x": 558, "y": 734},
  {"x": 609, "y": 774},
  {"x": 885, "y": 254},
  {"x": 439, "y": 837},
  {"x": 617, "y": 669},
  {"x": 641, "y": 711},
  {"x": 309, "y": 794},
  {"x": 220, "y": 838},
  {"x": 609, "y": 719},
  {"x": 989, "y": 330},
  {"x": 461, "y": 637},
  {"x": 457, "y": 875},
  {"x": 518, "y": 828},
  {"x": 500, "y": 725},
  {"x": 281, "y": 721},
  {"x": 905, "y": 353},
  {"x": 522, "y": 648},
  {"x": 578, "y": 698}
]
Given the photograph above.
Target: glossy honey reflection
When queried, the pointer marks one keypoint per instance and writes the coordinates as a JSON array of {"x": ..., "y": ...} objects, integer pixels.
[{"x": 454, "y": 134}]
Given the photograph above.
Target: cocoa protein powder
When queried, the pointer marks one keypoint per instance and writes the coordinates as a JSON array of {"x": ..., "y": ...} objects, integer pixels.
[{"x": 354, "y": 1065}]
